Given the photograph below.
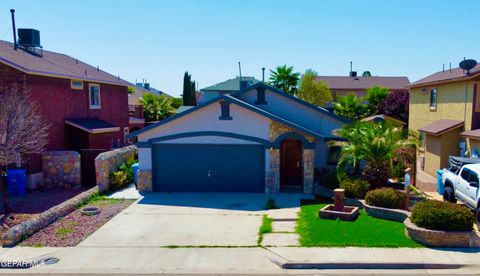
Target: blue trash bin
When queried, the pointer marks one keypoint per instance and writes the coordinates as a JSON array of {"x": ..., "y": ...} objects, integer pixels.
[
  {"x": 17, "y": 182},
  {"x": 135, "y": 172},
  {"x": 440, "y": 187}
]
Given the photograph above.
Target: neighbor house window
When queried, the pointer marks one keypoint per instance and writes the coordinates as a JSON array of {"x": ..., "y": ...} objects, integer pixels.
[
  {"x": 76, "y": 84},
  {"x": 433, "y": 99},
  {"x": 94, "y": 96}
]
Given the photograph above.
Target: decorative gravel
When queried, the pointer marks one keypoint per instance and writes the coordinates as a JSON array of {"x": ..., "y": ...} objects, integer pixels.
[
  {"x": 75, "y": 227},
  {"x": 35, "y": 202}
]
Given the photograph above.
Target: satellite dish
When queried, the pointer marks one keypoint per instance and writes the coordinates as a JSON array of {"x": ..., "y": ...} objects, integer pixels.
[{"x": 468, "y": 64}]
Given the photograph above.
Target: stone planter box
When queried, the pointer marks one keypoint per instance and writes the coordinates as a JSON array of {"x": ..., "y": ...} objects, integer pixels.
[
  {"x": 386, "y": 213},
  {"x": 438, "y": 238}
]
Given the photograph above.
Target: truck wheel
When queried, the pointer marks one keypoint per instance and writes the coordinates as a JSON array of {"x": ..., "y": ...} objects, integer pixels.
[{"x": 449, "y": 195}]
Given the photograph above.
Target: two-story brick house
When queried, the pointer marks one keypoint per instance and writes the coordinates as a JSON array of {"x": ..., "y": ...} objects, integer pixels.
[{"x": 86, "y": 107}]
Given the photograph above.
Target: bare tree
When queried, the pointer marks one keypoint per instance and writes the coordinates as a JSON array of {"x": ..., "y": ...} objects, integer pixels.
[{"x": 22, "y": 129}]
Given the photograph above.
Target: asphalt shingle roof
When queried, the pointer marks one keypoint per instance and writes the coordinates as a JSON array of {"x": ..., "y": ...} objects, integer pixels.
[
  {"x": 361, "y": 83},
  {"x": 447, "y": 75},
  {"x": 441, "y": 126},
  {"x": 230, "y": 85},
  {"x": 55, "y": 65}
]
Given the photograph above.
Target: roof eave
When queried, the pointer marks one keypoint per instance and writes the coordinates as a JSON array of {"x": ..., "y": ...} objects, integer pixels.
[
  {"x": 443, "y": 131},
  {"x": 66, "y": 76},
  {"x": 430, "y": 83}
]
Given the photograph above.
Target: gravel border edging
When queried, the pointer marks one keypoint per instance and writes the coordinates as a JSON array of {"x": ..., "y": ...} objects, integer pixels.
[{"x": 27, "y": 228}]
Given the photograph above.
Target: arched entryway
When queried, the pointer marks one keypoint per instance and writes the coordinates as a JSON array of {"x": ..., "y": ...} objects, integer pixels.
[{"x": 291, "y": 165}]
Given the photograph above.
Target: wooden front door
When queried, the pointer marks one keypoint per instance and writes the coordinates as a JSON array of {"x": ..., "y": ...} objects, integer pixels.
[
  {"x": 291, "y": 170},
  {"x": 476, "y": 107}
]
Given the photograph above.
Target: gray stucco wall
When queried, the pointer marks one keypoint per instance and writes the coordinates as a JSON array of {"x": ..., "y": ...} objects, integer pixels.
[
  {"x": 243, "y": 122},
  {"x": 295, "y": 112}
]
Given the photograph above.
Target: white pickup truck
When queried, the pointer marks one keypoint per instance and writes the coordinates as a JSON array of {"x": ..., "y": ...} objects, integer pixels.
[{"x": 461, "y": 181}]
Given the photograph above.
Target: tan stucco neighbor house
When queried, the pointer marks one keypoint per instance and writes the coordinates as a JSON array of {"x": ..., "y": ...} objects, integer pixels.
[
  {"x": 258, "y": 139},
  {"x": 445, "y": 110}
]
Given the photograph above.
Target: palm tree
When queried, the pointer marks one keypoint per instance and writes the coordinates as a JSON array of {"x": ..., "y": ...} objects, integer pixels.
[
  {"x": 375, "y": 97},
  {"x": 285, "y": 79},
  {"x": 350, "y": 107},
  {"x": 156, "y": 108},
  {"x": 375, "y": 143}
]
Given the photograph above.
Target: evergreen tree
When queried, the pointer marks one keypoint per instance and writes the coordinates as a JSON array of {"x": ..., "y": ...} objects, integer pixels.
[{"x": 189, "y": 95}]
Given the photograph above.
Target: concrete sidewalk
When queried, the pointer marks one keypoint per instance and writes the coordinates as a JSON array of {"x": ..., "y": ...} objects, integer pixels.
[{"x": 269, "y": 261}]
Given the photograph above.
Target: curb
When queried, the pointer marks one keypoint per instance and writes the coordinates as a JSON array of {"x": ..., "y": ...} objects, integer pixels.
[{"x": 347, "y": 265}]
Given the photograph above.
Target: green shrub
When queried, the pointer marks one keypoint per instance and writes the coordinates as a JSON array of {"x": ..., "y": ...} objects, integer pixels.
[
  {"x": 118, "y": 179},
  {"x": 355, "y": 188},
  {"x": 385, "y": 197},
  {"x": 328, "y": 179},
  {"x": 128, "y": 170},
  {"x": 438, "y": 215}
]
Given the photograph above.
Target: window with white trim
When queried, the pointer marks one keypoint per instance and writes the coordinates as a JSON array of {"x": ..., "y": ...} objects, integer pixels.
[
  {"x": 76, "y": 84},
  {"x": 94, "y": 96}
]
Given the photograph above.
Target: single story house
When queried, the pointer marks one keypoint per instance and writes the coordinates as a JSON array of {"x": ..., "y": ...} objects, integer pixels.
[
  {"x": 225, "y": 87},
  {"x": 445, "y": 110},
  {"x": 343, "y": 85},
  {"x": 258, "y": 139}
]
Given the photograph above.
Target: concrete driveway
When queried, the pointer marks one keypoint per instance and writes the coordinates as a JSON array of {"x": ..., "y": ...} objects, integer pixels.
[{"x": 188, "y": 219}]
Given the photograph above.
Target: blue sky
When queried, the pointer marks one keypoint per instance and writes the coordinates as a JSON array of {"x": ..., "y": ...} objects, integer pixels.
[{"x": 159, "y": 40}]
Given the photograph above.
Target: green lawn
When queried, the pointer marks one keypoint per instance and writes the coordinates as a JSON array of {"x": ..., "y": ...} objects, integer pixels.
[{"x": 365, "y": 231}]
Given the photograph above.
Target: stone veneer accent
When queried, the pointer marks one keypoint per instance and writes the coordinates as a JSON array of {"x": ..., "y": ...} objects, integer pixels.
[
  {"x": 61, "y": 168},
  {"x": 308, "y": 170},
  {"x": 109, "y": 161},
  {"x": 30, "y": 226},
  {"x": 277, "y": 129},
  {"x": 272, "y": 177},
  {"x": 144, "y": 181}
]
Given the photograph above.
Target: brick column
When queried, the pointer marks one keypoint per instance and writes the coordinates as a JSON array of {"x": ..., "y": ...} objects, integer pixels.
[
  {"x": 144, "y": 181},
  {"x": 308, "y": 170}
]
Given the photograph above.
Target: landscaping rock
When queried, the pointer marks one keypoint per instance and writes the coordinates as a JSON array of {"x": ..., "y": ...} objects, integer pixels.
[{"x": 36, "y": 223}]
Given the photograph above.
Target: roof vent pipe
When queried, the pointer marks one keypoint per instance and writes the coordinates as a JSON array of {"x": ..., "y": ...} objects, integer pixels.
[
  {"x": 240, "y": 70},
  {"x": 14, "y": 30},
  {"x": 263, "y": 74}
]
